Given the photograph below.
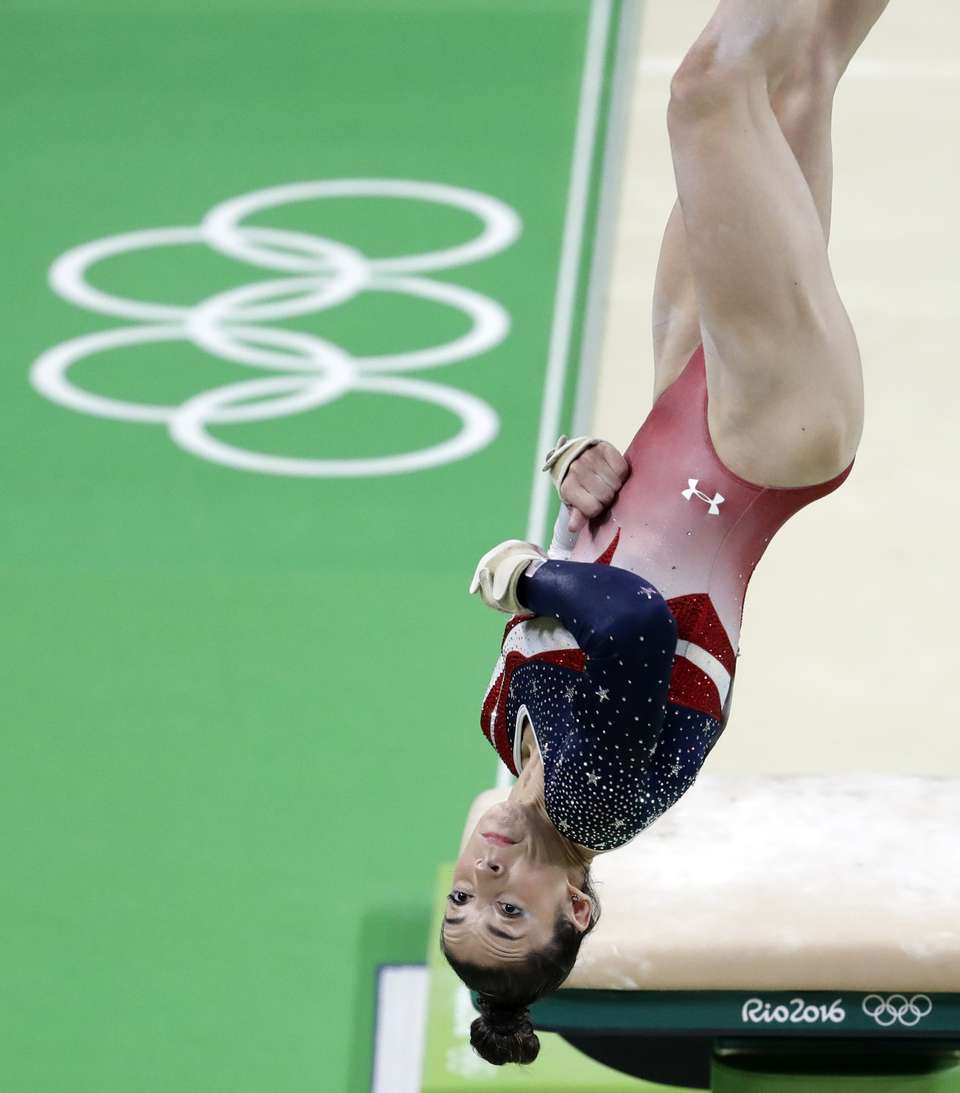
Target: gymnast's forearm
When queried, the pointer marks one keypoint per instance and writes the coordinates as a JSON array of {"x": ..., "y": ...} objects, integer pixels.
[{"x": 607, "y": 609}]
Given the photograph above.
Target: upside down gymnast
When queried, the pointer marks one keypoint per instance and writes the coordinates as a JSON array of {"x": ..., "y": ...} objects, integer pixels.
[{"x": 615, "y": 673}]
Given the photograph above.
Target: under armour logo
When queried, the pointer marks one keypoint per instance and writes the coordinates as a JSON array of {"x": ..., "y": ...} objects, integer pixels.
[{"x": 714, "y": 502}]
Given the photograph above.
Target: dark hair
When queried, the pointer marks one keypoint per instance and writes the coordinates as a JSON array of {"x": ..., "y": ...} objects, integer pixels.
[{"x": 503, "y": 1033}]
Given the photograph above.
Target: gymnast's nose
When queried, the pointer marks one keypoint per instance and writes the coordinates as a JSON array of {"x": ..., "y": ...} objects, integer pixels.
[{"x": 484, "y": 865}]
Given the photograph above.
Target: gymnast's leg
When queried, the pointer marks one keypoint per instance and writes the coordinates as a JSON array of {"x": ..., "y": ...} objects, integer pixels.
[
  {"x": 802, "y": 102},
  {"x": 754, "y": 188}
]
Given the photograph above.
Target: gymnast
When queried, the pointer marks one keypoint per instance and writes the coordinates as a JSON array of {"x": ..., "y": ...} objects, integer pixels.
[{"x": 615, "y": 673}]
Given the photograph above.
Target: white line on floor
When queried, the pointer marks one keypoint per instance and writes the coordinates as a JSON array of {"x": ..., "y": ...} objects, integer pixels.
[
  {"x": 401, "y": 1021},
  {"x": 558, "y": 352},
  {"x": 559, "y": 348}
]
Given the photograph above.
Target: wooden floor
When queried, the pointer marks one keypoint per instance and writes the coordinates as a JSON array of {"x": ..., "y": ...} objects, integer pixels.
[{"x": 850, "y": 639}]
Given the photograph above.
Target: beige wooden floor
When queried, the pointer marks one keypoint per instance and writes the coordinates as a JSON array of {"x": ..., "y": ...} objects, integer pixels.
[{"x": 852, "y": 626}]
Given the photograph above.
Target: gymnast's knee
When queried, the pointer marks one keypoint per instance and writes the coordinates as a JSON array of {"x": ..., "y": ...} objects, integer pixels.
[{"x": 706, "y": 84}]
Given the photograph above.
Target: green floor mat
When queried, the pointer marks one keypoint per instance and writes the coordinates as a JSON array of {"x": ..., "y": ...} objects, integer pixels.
[{"x": 238, "y": 645}]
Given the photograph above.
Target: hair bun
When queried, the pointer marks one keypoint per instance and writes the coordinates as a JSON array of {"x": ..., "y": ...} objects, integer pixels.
[{"x": 503, "y": 1035}]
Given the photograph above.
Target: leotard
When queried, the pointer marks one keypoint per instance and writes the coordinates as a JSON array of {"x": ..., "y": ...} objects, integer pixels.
[{"x": 684, "y": 534}]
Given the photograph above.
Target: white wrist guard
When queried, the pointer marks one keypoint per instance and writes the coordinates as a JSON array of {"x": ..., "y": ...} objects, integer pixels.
[
  {"x": 557, "y": 461},
  {"x": 564, "y": 540}
]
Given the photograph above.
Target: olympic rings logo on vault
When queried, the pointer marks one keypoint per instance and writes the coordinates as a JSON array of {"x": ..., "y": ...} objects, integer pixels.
[
  {"x": 897, "y": 1009},
  {"x": 315, "y": 274}
]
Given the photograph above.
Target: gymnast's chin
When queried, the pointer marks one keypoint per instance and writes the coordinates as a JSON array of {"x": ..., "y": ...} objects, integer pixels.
[{"x": 518, "y": 910}]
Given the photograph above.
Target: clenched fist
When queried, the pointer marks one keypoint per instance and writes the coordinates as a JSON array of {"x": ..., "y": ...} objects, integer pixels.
[{"x": 592, "y": 482}]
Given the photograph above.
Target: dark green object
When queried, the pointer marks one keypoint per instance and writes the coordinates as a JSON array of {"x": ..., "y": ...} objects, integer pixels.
[
  {"x": 774, "y": 1014},
  {"x": 830, "y": 1072},
  {"x": 828, "y": 1042}
]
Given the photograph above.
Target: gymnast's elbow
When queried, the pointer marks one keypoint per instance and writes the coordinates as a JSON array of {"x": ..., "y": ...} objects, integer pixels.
[{"x": 641, "y": 614}]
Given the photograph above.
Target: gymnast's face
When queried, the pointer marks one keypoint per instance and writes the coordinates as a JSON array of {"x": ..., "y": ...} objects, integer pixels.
[{"x": 509, "y": 887}]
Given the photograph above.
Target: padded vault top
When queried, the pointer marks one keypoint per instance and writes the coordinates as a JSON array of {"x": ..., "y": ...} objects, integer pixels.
[{"x": 761, "y": 883}]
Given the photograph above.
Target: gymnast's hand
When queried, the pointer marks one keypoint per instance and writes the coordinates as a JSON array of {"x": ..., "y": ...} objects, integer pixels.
[
  {"x": 499, "y": 571},
  {"x": 592, "y": 482}
]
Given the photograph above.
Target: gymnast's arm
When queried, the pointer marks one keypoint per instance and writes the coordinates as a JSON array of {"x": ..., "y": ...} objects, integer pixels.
[{"x": 610, "y": 611}]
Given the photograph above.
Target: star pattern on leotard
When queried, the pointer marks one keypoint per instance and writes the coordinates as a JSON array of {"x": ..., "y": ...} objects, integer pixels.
[{"x": 605, "y": 779}]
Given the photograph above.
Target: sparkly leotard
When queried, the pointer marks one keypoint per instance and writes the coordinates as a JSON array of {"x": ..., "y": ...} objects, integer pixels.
[{"x": 687, "y": 529}]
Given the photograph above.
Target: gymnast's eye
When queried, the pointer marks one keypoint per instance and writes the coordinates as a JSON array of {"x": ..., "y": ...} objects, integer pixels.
[
  {"x": 459, "y": 897},
  {"x": 511, "y": 910}
]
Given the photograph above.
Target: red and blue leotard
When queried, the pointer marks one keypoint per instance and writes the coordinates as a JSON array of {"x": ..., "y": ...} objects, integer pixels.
[{"x": 625, "y": 666}]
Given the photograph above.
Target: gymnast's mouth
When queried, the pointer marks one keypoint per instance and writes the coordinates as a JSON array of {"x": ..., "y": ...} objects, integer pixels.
[{"x": 498, "y": 839}]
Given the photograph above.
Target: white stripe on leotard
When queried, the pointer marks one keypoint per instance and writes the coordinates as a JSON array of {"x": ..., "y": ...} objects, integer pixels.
[{"x": 708, "y": 664}]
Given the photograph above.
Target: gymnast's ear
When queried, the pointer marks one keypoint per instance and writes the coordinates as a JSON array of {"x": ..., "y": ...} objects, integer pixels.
[{"x": 581, "y": 907}]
